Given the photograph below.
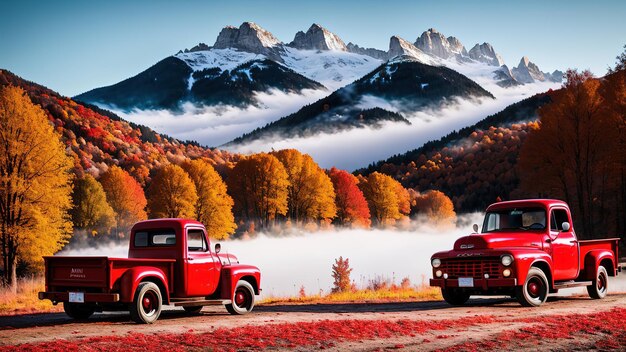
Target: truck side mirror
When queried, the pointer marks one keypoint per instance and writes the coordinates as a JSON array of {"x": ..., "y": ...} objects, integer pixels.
[
  {"x": 565, "y": 226},
  {"x": 475, "y": 227},
  {"x": 218, "y": 248}
]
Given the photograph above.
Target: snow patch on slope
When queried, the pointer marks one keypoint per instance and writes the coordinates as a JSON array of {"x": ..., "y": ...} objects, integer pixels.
[{"x": 333, "y": 69}]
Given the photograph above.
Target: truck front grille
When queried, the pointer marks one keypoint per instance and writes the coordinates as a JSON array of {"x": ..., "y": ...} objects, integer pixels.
[{"x": 471, "y": 267}]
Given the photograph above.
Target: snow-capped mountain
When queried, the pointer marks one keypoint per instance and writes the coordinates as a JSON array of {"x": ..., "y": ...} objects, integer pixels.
[
  {"x": 403, "y": 84},
  {"x": 232, "y": 81}
]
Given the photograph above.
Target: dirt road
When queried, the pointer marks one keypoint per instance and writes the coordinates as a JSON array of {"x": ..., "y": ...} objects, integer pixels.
[{"x": 480, "y": 321}]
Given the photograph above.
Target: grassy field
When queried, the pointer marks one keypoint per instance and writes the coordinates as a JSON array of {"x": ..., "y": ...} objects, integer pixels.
[{"x": 25, "y": 301}]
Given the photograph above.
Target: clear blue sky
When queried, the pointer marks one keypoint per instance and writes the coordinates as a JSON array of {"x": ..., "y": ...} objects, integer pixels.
[{"x": 73, "y": 46}]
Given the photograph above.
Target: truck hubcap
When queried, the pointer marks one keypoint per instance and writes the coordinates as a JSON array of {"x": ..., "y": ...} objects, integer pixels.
[
  {"x": 601, "y": 282},
  {"x": 241, "y": 298},
  {"x": 149, "y": 303},
  {"x": 535, "y": 287}
]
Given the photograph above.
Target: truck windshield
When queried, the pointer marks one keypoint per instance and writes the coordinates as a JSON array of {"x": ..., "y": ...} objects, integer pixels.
[{"x": 515, "y": 219}]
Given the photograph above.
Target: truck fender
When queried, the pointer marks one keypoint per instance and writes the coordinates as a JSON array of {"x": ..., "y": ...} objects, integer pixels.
[
  {"x": 134, "y": 276},
  {"x": 231, "y": 275},
  {"x": 592, "y": 261},
  {"x": 524, "y": 261}
]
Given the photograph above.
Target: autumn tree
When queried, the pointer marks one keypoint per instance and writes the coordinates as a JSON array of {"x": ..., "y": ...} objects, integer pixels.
[
  {"x": 341, "y": 275},
  {"x": 126, "y": 197},
  {"x": 90, "y": 211},
  {"x": 214, "y": 205},
  {"x": 172, "y": 194},
  {"x": 349, "y": 199},
  {"x": 571, "y": 154},
  {"x": 34, "y": 185},
  {"x": 435, "y": 206},
  {"x": 385, "y": 199},
  {"x": 310, "y": 193},
  {"x": 259, "y": 186},
  {"x": 613, "y": 91}
]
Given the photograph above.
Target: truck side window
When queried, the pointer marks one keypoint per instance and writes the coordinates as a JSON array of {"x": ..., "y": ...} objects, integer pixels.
[
  {"x": 196, "y": 241},
  {"x": 560, "y": 216},
  {"x": 553, "y": 225}
]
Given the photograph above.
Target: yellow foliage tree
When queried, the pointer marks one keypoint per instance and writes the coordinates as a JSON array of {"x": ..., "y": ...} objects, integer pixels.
[
  {"x": 126, "y": 197},
  {"x": 91, "y": 212},
  {"x": 386, "y": 198},
  {"x": 214, "y": 205},
  {"x": 311, "y": 195},
  {"x": 34, "y": 185},
  {"x": 258, "y": 185},
  {"x": 172, "y": 194}
]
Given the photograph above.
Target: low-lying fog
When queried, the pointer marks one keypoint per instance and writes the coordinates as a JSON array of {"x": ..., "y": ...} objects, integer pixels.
[{"x": 306, "y": 258}]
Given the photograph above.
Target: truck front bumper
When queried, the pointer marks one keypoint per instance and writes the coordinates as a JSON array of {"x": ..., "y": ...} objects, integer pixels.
[
  {"x": 56, "y": 297},
  {"x": 484, "y": 284}
]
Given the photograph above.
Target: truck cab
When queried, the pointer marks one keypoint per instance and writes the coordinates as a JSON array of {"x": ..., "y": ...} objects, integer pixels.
[
  {"x": 526, "y": 249},
  {"x": 170, "y": 261}
]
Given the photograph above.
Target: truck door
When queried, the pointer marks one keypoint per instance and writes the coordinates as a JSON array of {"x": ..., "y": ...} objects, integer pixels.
[
  {"x": 564, "y": 246},
  {"x": 202, "y": 268}
]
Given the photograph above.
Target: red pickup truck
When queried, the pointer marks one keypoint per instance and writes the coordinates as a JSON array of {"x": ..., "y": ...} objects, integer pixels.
[
  {"x": 169, "y": 262},
  {"x": 527, "y": 249}
]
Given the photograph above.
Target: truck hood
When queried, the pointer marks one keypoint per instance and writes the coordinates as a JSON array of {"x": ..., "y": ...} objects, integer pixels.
[
  {"x": 498, "y": 240},
  {"x": 227, "y": 258}
]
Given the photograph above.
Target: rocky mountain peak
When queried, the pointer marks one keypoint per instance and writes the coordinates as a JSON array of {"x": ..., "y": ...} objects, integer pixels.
[
  {"x": 318, "y": 38},
  {"x": 528, "y": 72},
  {"x": 248, "y": 37},
  {"x": 435, "y": 43},
  {"x": 399, "y": 47},
  {"x": 485, "y": 53}
]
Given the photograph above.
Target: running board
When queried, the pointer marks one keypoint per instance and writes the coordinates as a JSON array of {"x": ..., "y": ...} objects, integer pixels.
[
  {"x": 202, "y": 303},
  {"x": 570, "y": 284}
]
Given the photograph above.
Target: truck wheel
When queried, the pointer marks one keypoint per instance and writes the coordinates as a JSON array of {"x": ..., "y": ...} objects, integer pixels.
[
  {"x": 600, "y": 286},
  {"x": 146, "y": 306},
  {"x": 242, "y": 300},
  {"x": 455, "y": 297},
  {"x": 193, "y": 309},
  {"x": 78, "y": 311},
  {"x": 535, "y": 290}
]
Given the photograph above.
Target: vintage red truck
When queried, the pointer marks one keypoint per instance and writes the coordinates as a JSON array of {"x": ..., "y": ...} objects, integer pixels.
[
  {"x": 527, "y": 249},
  {"x": 170, "y": 261}
]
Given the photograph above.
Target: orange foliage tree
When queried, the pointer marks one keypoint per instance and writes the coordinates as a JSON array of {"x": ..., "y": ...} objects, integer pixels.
[
  {"x": 351, "y": 203},
  {"x": 34, "y": 185},
  {"x": 435, "y": 205},
  {"x": 341, "y": 275},
  {"x": 214, "y": 205},
  {"x": 125, "y": 196},
  {"x": 259, "y": 186},
  {"x": 388, "y": 201},
  {"x": 172, "y": 194},
  {"x": 310, "y": 193},
  {"x": 572, "y": 154}
]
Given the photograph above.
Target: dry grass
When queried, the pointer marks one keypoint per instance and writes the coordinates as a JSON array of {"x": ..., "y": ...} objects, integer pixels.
[
  {"x": 25, "y": 301},
  {"x": 387, "y": 294}
]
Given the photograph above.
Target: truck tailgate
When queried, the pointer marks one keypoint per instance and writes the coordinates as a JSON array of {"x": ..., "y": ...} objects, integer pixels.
[{"x": 77, "y": 272}]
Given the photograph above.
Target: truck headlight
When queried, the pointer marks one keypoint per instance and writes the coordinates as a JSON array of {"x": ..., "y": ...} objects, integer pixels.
[
  {"x": 506, "y": 260},
  {"x": 436, "y": 263},
  {"x": 438, "y": 273},
  {"x": 506, "y": 272}
]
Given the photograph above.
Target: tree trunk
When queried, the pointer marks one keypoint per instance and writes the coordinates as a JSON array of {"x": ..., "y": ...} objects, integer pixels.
[{"x": 11, "y": 273}]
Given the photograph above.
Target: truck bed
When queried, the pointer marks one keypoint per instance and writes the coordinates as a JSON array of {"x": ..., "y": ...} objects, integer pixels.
[
  {"x": 95, "y": 274},
  {"x": 605, "y": 244}
]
